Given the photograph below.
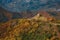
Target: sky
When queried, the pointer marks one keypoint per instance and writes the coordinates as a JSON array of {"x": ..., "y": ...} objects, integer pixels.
[{"x": 31, "y": 5}]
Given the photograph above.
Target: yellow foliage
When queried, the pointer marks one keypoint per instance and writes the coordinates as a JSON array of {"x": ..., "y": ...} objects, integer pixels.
[{"x": 24, "y": 26}]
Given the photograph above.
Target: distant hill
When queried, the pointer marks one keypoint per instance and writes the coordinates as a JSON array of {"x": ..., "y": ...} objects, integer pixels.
[{"x": 7, "y": 15}]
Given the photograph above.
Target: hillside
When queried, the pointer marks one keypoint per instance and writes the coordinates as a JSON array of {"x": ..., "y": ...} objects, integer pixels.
[
  {"x": 29, "y": 19},
  {"x": 30, "y": 29}
]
